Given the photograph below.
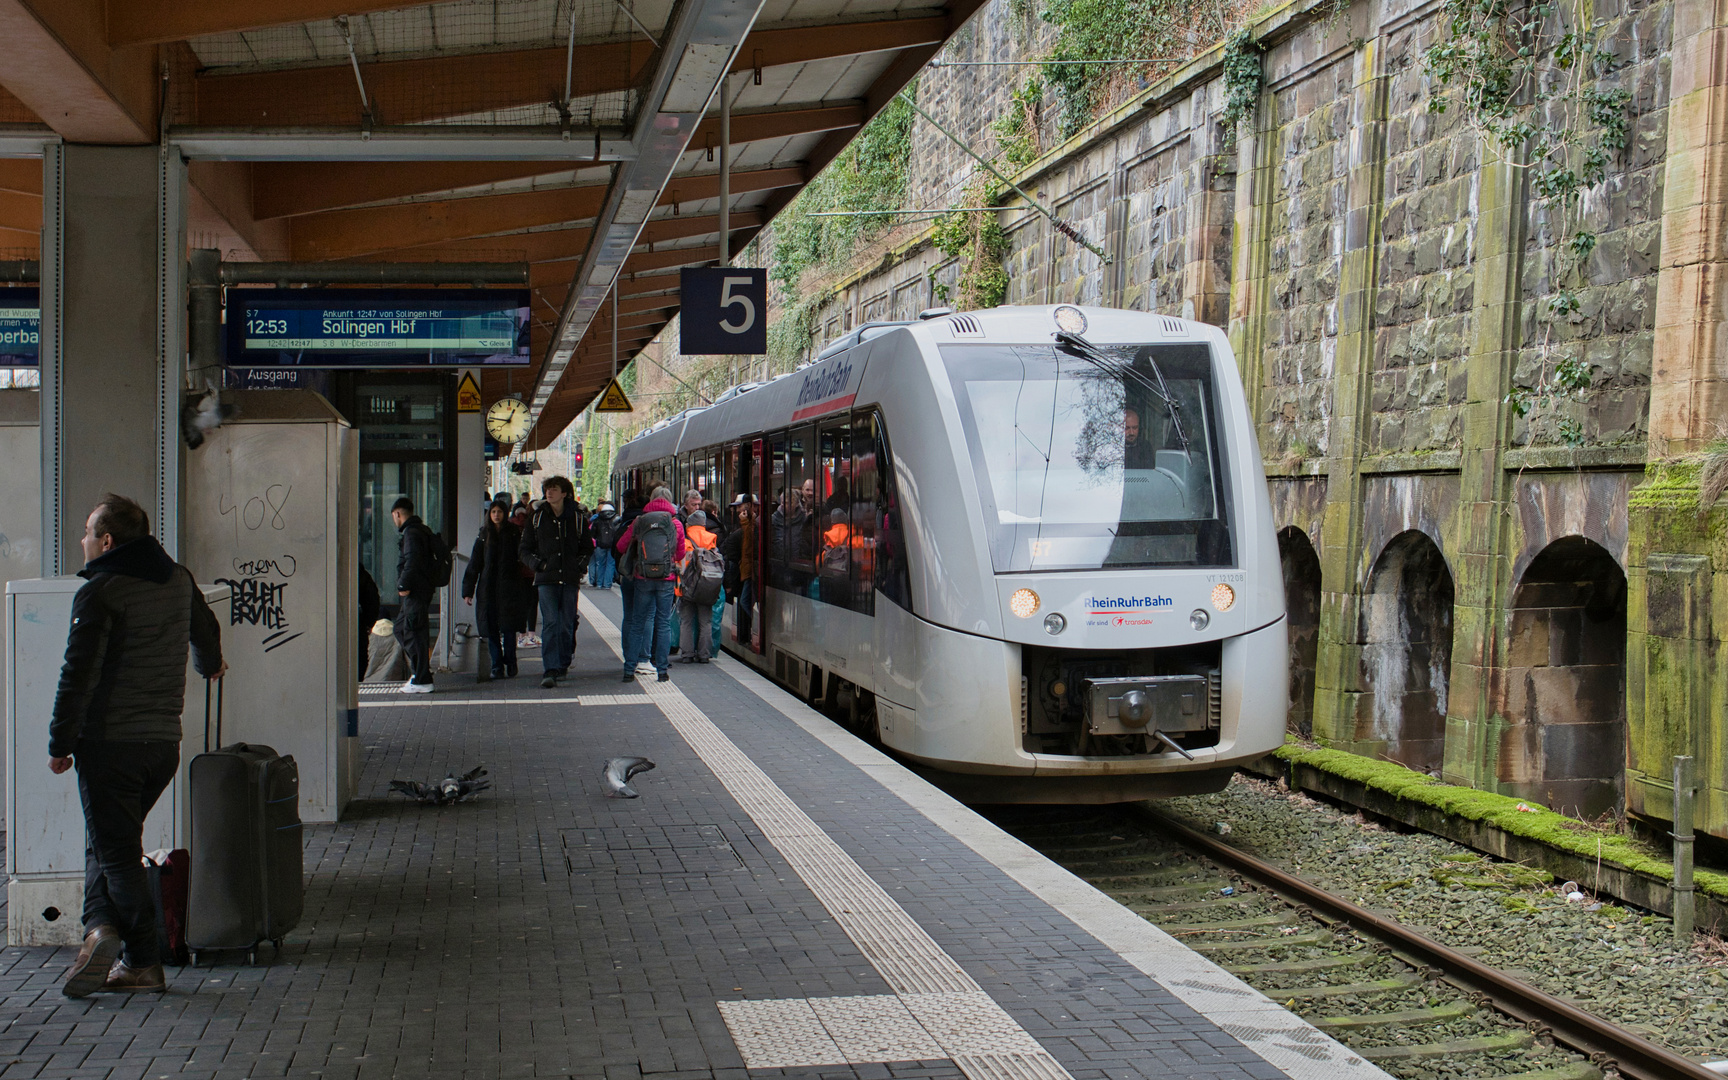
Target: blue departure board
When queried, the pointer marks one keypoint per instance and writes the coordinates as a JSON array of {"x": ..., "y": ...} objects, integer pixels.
[
  {"x": 20, "y": 327},
  {"x": 376, "y": 328}
]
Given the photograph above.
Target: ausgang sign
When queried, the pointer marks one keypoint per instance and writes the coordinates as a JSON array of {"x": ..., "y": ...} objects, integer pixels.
[{"x": 376, "y": 328}]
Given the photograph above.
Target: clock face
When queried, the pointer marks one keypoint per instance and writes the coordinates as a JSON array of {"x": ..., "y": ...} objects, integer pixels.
[{"x": 508, "y": 420}]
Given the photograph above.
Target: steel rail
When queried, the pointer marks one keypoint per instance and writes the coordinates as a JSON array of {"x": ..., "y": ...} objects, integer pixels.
[{"x": 1607, "y": 1045}]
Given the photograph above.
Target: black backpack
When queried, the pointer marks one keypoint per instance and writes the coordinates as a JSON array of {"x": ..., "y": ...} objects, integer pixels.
[
  {"x": 443, "y": 562},
  {"x": 652, "y": 546},
  {"x": 606, "y": 532}
]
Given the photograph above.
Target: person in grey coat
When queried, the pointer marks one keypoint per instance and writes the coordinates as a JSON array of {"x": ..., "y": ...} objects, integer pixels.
[{"x": 117, "y": 721}]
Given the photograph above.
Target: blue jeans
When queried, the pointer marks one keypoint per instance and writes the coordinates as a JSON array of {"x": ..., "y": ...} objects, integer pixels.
[
  {"x": 602, "y": 568},
  {"x": 557, "y": 627},
  {"x": 719, "y": 615},
  {"x": 651, "y": 612},
  {"x": 627, "y": 619},
  {"x": 502, "y": 646}
]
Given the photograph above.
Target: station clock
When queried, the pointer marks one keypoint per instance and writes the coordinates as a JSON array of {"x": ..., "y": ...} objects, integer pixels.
[{"x": 508, "y": 420}]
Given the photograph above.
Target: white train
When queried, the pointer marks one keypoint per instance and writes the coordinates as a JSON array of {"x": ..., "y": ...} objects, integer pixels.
[{"x": 1029, "y": 549}]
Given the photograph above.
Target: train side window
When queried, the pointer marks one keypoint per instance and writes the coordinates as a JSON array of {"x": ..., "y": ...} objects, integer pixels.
[
  {"x": 834, "y": 514},
  {"x": 865, "y": 497},
  {"x": 893, "y": 576},
  {"x": 801, "y": 479},
  {"x": 782, "y": 510}
]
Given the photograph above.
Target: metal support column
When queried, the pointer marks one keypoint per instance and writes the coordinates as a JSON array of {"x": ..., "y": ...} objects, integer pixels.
[
  {"x": 170, "y": 344},
  {"x": 725, "y": 171},
  {"x": 51, "y": 354}
]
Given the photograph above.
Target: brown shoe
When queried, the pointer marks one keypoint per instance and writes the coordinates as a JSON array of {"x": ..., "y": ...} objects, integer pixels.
[
  {"x": 123, "y": 979},
  {"x": 101, "y": 948}
]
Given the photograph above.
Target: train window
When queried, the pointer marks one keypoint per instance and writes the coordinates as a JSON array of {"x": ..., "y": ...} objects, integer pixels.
[
  {"x": 883, "y": 543},
  {"x": 833, "y": 514},
  {"x": 1084, "y": 464},
  {"x": 801, "y": 463}
]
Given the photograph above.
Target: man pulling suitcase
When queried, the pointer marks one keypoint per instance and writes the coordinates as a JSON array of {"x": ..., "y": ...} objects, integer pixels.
[{"x": 117, "y": 720}]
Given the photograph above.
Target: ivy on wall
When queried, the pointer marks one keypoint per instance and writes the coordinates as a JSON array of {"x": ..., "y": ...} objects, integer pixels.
[
  {"x": 1242, "y": 79},
  {"x": 870, "y": 174},
  {"x": 1531, "y": 79}
]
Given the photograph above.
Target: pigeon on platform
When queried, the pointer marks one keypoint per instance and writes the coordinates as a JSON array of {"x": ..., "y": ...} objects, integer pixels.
[
  {"x": 451, "y": 789},
  {"x": 204, "y": 414},
  {"x": 618, "y": 772}
]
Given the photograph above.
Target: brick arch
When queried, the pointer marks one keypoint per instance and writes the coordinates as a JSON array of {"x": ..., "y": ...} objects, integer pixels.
[
  {"x": 1302, "y": 604},
  {"x": 1406, "y": 635},
  {"x": 1564, "y": 688}
]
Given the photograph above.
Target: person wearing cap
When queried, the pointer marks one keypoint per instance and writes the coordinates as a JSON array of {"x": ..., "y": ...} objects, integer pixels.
[
  {"x": 416, "y": 570},
  {"x": 604, "y": 527},
  {"x": 739, "y": 550}
]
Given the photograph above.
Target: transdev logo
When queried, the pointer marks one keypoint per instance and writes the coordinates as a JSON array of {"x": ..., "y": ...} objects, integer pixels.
[
  {"x": 1124, "y": 610},
  {"x": 818, "y": 392}
]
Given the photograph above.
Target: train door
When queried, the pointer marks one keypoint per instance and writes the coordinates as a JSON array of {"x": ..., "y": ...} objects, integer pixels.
[{"x": 759, "y": 487}]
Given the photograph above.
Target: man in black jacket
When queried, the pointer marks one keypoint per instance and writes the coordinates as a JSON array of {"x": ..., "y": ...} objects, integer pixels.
[
  {"x": 415, "y": 572},
  {"x": 117, "y": 720},
  {"x": 556, "y": 546}
]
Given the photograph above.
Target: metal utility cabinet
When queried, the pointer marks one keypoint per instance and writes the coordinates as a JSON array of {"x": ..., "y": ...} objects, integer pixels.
[
  {"x": 45, "y": 823},
  {"x": 270, "y": 511}
]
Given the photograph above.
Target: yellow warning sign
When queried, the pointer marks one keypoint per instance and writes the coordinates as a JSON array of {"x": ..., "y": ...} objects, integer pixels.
[
  {"x": 468, "y": 394},
  {"x": 612, "y": 399}
]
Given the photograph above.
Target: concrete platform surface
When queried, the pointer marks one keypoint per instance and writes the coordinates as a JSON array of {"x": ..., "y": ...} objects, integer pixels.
[{"x": 782, "y": 901}]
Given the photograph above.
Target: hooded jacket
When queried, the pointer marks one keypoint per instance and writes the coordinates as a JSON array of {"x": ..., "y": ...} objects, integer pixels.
[
  {"x": 124, "y": 679},
  {"x": 556, "y": 546},
  {"x": 414, "y": 558}
]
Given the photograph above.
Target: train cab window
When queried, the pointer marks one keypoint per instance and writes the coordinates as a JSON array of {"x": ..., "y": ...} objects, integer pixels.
[
  {"x": 1115, "y": 460},
  {"x": 833, "y": 514}
]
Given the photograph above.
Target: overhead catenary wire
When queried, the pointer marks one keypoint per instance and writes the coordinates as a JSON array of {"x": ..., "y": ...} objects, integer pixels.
[
  {"x": 1057, "y": 223},
  {"x": 354, "y": 60}
]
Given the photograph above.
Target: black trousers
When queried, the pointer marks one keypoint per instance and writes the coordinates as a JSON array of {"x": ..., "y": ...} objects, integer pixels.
[
  {"x": 414, "y": 631},
  {"x": 118, "y": 783}
]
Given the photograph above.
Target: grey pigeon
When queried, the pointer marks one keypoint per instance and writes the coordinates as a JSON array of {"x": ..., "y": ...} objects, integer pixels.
[
  {"x": 451, "y": 789},
  {"x": 204, "y": 414},
  {"x": 618, "y": 772}
]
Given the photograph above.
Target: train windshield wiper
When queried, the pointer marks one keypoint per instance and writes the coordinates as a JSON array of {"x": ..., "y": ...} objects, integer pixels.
[{"x": 1098, "y": 358}]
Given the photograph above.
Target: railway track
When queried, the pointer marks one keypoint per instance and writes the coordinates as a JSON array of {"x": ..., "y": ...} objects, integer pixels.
[{"x": 1398, "y": 998}]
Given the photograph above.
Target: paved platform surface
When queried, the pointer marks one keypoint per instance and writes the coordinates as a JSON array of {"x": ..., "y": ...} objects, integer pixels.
[{"x": 782, "y": 901}]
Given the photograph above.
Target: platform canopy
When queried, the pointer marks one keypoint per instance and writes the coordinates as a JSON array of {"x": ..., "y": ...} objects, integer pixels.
[{"x": 576, "y": 135}]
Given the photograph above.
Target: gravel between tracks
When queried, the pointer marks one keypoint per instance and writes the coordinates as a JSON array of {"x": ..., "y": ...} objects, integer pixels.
[{"x": 1618, "y": 963}]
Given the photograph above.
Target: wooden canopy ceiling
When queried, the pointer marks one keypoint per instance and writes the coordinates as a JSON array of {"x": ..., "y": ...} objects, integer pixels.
[{"x": 278, "y": 75}]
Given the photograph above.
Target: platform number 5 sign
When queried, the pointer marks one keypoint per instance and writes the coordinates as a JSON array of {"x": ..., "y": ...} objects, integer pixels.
[{"x": 723, "y": 312}]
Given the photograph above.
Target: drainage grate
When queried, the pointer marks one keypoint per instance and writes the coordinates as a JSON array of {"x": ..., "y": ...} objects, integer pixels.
[{"x": 650, "y": 849}]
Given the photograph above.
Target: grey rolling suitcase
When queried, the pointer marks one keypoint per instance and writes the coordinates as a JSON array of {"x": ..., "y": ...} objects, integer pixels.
[{"x": 247, "y": 882}]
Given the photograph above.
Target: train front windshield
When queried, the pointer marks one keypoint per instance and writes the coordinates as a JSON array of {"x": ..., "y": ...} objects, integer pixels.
[{"x": 1101, "y": 462}]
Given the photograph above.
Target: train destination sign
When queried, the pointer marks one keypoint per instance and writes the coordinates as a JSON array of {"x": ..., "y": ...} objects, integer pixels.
[
  {"x": 20, "y": 327},
  {"x": 376, "y": 328}
]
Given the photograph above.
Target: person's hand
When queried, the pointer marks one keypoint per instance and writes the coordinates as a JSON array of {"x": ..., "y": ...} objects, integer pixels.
[
  {"x": 221, "y": 671},
  {"x": 401, "y": 592},
  {"x": 58, "y": 765},
  {"x": 469, "y": 600}
]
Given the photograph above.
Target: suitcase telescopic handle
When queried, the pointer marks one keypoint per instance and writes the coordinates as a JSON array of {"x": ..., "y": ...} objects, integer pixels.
[{"x": 207, "y": 682}]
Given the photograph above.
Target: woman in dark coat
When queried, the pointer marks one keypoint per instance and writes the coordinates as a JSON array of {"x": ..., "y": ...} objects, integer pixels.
[{"x": 493, "y": 586}]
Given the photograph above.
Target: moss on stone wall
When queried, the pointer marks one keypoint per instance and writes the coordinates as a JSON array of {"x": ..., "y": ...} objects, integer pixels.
[
  {"x": 1536, "y": 823},
  {"x": 1668, "y": 485}
]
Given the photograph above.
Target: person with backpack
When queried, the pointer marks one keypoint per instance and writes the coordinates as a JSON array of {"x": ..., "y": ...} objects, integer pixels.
[
  {"x": 422, "y": 566},
  {"x": 556, "y": 546},
  {"x": 653, "y": 547},
  {"x": 699, "y": 584},
  {"x": 606, "y": 529}
]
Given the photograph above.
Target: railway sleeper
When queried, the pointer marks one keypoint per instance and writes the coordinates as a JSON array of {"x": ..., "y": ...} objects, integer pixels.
[
  {"x": 1420, "y": 1017},
  {"x": 1487, "y": 1044},
  {"x": 1361, "y": 989},
  {"x": 1169, "y": 892},
  {"x": 1244, "y": 945},
  {"x": 1156, "y": 912},
  {"x": 1282, "y": 918},
  {"x": 1303, "y": 967},
  {"x": 1578, "y": 1070}
]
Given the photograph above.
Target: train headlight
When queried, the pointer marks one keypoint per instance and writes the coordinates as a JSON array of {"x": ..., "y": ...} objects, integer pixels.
[
  {"x": 1024, "y": 603},
  {"x": 1198, "y": 619},
  {"x": 1070, "y": 319},
  {"x": 1054, "y": 623},
  {"x": 1223, "y": 597}
]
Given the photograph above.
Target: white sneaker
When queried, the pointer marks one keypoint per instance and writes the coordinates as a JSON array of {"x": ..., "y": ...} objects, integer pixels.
[
  {"x": 412, "y": 687},
  {"x": 644, "y": 668}
]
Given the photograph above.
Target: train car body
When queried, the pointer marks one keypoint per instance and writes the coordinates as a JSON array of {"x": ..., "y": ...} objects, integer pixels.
[{"x": 1041, "y": 570}]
